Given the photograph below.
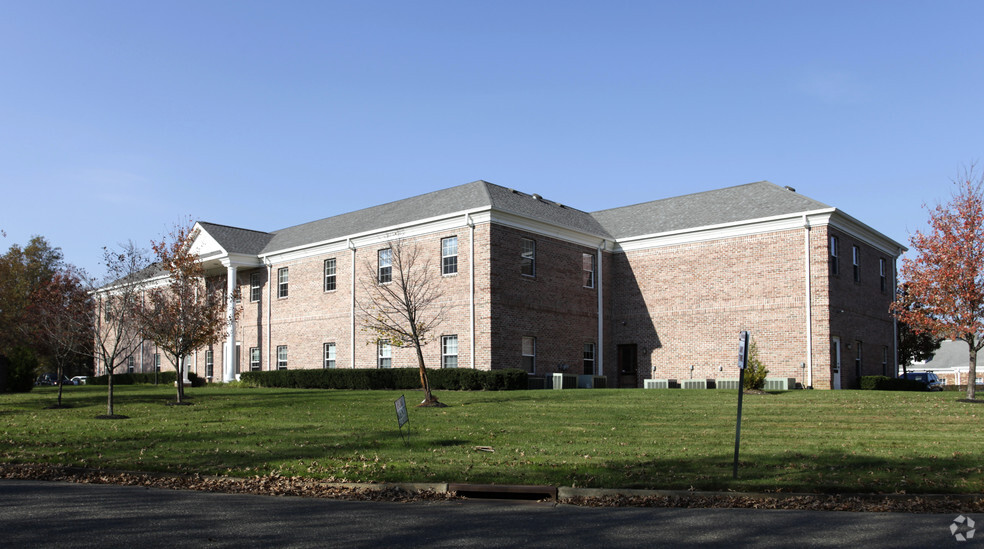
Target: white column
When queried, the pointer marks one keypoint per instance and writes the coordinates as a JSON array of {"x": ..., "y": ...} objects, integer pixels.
[{"x": 229, "y": 357}]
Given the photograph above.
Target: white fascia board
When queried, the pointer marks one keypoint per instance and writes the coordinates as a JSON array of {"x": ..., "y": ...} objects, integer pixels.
[
  {"x": 523, "y": 223},
  {"x": 240, "y": 260},
  {"x": 377, "y": 236},
  {"x": 204, "y": 243},
  {"x": 847, "y": 224}
]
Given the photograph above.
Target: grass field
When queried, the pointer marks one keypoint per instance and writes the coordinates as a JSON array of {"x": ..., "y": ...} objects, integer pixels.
[{"x": 799, "y": 441}]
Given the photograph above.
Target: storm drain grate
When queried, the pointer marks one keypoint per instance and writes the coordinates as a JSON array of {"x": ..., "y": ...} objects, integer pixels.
[{"x": 504, "y": 491}]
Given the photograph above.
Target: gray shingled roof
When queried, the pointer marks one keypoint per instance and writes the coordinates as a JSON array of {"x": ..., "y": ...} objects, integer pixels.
[
  {"x": 951, "y": 354},
  {"x": 236, "y": 240},
  {"x": 751, "y": 201},
  {"x": 732, "y": 204}
]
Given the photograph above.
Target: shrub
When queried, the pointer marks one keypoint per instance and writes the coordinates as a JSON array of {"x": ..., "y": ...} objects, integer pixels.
[
  {"x": 451, "y": 379},
  {"x": 883, "y": 383},
  {"x": 19, "y": 369},
  {"x": 163, "y": 378},
  {"x": 755, "y": 371}
]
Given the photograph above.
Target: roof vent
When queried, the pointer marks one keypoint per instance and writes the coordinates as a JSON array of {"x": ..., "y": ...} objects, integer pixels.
[
  {"x": 790, "y": 189},
  {"x": 537, "y": 197}
]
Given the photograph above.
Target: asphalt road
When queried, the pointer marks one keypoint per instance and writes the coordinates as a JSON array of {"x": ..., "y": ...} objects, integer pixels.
[{"x": 66, "y": 515}]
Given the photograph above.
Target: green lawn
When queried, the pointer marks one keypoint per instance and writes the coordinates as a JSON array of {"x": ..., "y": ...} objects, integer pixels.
[{"x": 799, "y": 441}]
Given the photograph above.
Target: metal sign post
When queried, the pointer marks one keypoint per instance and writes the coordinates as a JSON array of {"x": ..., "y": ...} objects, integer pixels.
[
  {"x": 402, "y": 418},
  {"x": 742, "y": 364}
]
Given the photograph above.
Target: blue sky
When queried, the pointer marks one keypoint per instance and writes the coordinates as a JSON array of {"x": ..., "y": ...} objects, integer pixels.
[{"x": 119, "y": 119}]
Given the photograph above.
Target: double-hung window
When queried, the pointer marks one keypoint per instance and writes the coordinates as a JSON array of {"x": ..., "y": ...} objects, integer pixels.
[
  {"x": 449, "y": 351},
  {"x": 129, "y": 364},
  {"x": 449, "y": 255},
  {"x": 209, "y": 363},
  {"x": 281, "y": 357},
  {"x": 883, "y": 274},
  {"x": 329, "y": 355},
  {"x": 254, "y": 287},
  {"x": 588, "y": 267},
  {"x": 330, "y": 275},
  {"x": 254, "y": 359},
  {"x": 384, "y": 355},
  {"x": 834, "y": 255},
  {"x": 529, "y": 354},
  {"x": 856, "y": 262},
  {"x": 589, "y": 359},
  {"x": 157, "y": 362},
  {"x": 385, "y": 269},
  {"x": 282, "y": 279},
  {"x": 527, "y": 259}
]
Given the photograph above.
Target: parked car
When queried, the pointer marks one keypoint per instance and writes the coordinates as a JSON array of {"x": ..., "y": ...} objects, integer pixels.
[
  {"x": 932, "y": 382},
  {"x": 80, "y": 380},
  {"x": 46, "y": 379}
]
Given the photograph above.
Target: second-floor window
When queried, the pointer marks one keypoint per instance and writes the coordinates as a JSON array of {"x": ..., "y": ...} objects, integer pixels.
[
  {"x": 254, "y": 287},
  {"x": 385, "y": 269},
  {"x": 856, "y": 261},
  {"x": 883, "y": 274},
  {"x": 330, "y": 275},
  {"x": 527, "y": 260},
  {"x": 449, "y": 255},
  {"x": 588, "y": 268},
  {"x": 282, "y": 280},
  {"x": 834, "y": 255}
]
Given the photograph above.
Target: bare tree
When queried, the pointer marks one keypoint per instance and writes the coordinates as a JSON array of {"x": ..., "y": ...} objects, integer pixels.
[
  {"x": 403, "y": 302},
  {"x": 116, "y": 332},
  {"x": 184, "y": 313}
]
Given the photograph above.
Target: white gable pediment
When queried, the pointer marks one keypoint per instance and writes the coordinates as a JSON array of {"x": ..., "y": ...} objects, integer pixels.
[{"x": 205, "y": 245}]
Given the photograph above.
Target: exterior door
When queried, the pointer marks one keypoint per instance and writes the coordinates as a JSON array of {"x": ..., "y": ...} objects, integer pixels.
[
  {"x": 835, "y": 357},
  {"x": 628, "y": 366}
]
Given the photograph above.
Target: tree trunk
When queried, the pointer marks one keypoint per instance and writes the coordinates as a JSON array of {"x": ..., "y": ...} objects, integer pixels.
[
  {"x": 109, "y": 393},
  {"x": 429, "y": 399},
  {"x": 972, "y": 369},
  {"x": 60, "y": 373},
  {"x": 180, "y": 379}
]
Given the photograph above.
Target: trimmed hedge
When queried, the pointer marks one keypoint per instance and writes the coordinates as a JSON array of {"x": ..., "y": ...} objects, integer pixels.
[
  {"x": 163, "y": 378},
  {"x": 450, "y": 379},
  {"x": 883, "y": 383}
]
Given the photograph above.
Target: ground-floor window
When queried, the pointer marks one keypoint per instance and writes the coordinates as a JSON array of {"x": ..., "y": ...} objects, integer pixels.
[
  {"x": 281, "y": 357},
  {"x": 254, "y": 359},
  {"x": 209, "y": 363},
  {"x": 529, "y": 354},
  {"x": 449, "y": 351},
  {"x": 157, "y": 362},
  {"x": 589, "y": 359},
  {"x": 129, "y": 364},
  {"x": 384, "y": 355},
  {"x": 329, "y": 355}
]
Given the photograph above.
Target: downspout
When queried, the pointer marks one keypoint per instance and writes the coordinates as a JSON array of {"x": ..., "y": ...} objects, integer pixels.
[
  {"x": 600, "y": 362},
  {"x": 351, "y": 246},
  {"x": 471, "y": 286},
  {"x": 895, "y": 321},
  {"x": 809, "y": 304}
]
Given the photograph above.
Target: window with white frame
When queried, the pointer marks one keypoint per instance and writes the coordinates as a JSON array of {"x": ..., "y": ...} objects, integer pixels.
[
  {"x": 254, "y": 359},
  {"x": 384, "y": 354},
  {"x": 157, "y": 362},
  {"x": 385, "y": 268},
  {"x": 254, "y": 287},
  {"x": 209, "y": 363},
  {"x": 588, "y": 268},
  {"x": 329, "y": 355},
  {"x": 529, "y": 354},
  {"x": 856, "y": 262},
  {"x": 883, "y": 274},
  {"x": 527, "y": 259},
  {"x": 281, "y": 357},
  {"x": 589, "y": 359},
  {"x": 449, "y": 255},
  {"x": 449, "y": 351},
  {"x": 129, "y": 364},
  {"x": 834, "y": 255},
  {"x": 330, "y": 275},
  {"x": 282, "y": 280}
]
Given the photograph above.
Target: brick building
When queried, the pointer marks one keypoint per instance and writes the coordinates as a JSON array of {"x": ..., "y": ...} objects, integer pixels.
[{"x": 655, "y": 290}]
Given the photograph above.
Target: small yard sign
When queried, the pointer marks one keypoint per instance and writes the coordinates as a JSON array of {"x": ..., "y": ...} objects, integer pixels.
[{"x": 402, "y": 418}]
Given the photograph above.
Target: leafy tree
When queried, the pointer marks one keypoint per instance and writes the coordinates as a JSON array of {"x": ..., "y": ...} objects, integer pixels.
[
  {"x": 946, "y": 276},
  {"x": 22, "y": 272},
  {"x": 404, "y": 302},
  {"x": 184, "y": 313},
  {"x": 755, "y": 370},
  {"x": 116, "y": 332},
  {"x": 913, "y": 346},
  {"x": 59, "y": 314}
]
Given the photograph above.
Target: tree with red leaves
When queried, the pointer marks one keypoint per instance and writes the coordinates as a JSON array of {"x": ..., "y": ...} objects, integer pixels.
[
  {"x": 946, "y": 277},
  {"x": 184, "y": 313},
  {"x": 59, "y": 315}
]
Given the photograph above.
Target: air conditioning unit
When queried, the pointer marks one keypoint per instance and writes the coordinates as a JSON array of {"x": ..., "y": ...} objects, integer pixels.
[
  {"x": 656, "y": 384},
  {"x": 780, "y": 383},
  {"x": 563, "y": 381},
  {"x": 728, "y": 384},
  {"x": 693, "y": 384},
  {"x": 591, "y": 382}
]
